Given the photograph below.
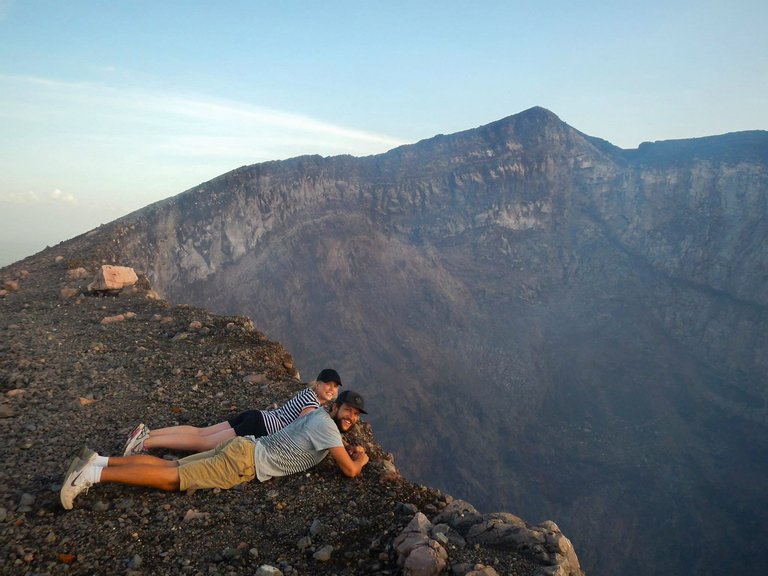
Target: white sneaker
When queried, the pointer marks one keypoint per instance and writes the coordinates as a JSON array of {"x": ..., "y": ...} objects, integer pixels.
[
  {"x": 77, "y": 481},
  {"x": 135, "y": 442},
  {"x": 74, "y": 464},
  {"x": 85, "y": 454}
]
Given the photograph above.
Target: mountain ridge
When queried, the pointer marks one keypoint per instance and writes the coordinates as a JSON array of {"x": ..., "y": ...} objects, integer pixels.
[{"x": 537, "y": 295}]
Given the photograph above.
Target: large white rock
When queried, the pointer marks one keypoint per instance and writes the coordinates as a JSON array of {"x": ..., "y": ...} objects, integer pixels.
[{"x": 113, "y": 278}]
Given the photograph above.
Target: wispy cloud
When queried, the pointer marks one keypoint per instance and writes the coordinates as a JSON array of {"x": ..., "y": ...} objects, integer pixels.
[
  {"x": 230, "y": 112},
  {"x": 97, "y": 107},
  {"x": 31, "y": 197},
  {"x": 59, "y": 196}
]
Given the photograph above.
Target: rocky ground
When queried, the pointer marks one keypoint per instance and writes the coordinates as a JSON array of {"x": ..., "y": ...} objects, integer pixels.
[{"x": 79, "y": 369}]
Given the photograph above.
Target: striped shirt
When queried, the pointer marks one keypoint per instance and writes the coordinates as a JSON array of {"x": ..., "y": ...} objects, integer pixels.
[
  {"x": 297, "y": 447},
  {"x": 279, "y": 418}
]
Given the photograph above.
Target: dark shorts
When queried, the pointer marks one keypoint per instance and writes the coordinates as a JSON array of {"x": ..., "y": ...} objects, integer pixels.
[{"x": 248, "y": 423}]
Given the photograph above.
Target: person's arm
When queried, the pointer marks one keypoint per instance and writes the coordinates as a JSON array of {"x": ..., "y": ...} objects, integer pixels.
[
  {"x": 308, "y": 400},
  {"x": 350, "y": 465}
]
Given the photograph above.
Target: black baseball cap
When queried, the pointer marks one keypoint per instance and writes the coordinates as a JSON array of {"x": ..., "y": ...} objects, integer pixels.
[
  {"x": 329, "y": 375},
  {"x": 353, "y": 399}
]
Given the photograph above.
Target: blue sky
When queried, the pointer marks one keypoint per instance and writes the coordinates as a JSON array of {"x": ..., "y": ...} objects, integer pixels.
[{"x": 106, "y": 107}]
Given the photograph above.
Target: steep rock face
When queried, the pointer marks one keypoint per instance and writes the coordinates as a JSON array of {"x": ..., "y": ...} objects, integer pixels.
[{"x": 548, "y": 324}]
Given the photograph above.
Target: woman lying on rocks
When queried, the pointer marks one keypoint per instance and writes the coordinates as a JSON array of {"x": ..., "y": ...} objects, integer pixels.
[
  {"x": 254, "y": 423},
  {"x": 293, "y": 449}
]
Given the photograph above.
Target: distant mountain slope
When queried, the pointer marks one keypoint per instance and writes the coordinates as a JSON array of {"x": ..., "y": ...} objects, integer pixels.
[{"x": 555, "y": 326}]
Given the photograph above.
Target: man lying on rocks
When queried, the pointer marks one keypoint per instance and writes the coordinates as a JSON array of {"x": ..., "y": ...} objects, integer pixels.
[{"x": 296, "y": 448}]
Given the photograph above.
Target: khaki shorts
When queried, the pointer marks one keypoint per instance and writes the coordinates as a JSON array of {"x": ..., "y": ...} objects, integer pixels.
[{"x": 229, "y": 464}]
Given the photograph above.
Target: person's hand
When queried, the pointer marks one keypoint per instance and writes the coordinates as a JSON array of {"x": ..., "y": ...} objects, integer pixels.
[
  {"x": 351, "y": 459},
  {"x": 357, "y": 453}
]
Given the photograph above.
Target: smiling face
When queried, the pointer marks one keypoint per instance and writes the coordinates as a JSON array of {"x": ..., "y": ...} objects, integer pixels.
[
  {"x": 326, "y": 391},
  {"x": 345, "y": 416}
]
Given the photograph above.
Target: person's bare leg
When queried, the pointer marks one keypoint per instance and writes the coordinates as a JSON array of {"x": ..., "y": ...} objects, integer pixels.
[
  {"x": 161, "y": 477},
  {"x": 215, "y": 429},
  {"x": 189, "y": 438},
  {"x": 172, "y": 430},
  {"x": 141, "y": 460},
  {"x": 137, "y": 470}
]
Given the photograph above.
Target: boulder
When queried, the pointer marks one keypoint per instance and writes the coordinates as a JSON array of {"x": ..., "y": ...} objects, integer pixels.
[
  {"x": 68, "y": 292},
  {"x": 501, "y": 530},
  {"x": 113, "y": 278},
  {"x": 418, "y": 553},
  {"x": 77, "y": 274}
]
